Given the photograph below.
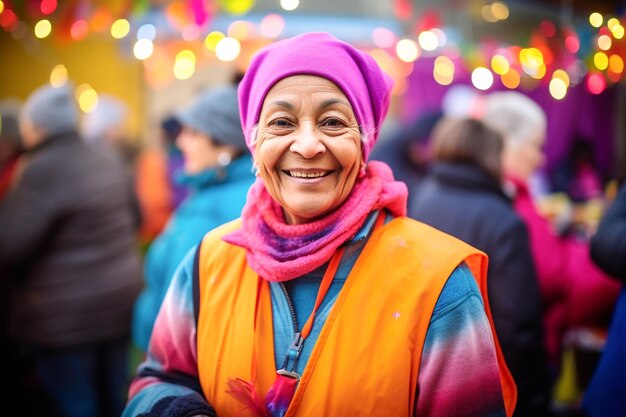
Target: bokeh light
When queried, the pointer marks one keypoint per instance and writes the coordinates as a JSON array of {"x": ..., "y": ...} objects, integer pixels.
[
  {"x": 143, "y": 49},
  {"x": 240, "y": 29},
  {"x": 87, "y": 98},
  {"x": 572, "y": 44},
  {"x": 272, "y": 26},
  {"x": 482, "y": 78},
  {"x": 79, "y": 29},
  {"x": 1, "y": 6},
  {"x": 600, "y": 60},
  {"x": 604, "y": 42},
  {"x": 47, "y": 6},
  {"x": 236, "y": 7},
  {"x": 442, "y": 38},
  {"x": 443, "y": 70},
  {"x": 487, "y": 14},
  {"x": 511, "y": 79},
  {"x": 212, "y": 39},
  {"x": 499, "y": 10},
  {"x": 58, "y": 76},
  {"x": 612, "y": 22},
  {"x": 184, "y": 64},
  {"x": 8, "y": 19},
  {"x": 43, "y": 28},
  {"x": 120, "y": 28},
  {"x": 618, "y": 31},
  {"x": 146, "y": 31},
  {"x": 383, "y": 37},
  {"x": 557, "y": 88},
  {"x": 407, "y": 50},
  {"x": 500, "y": 64},
  {"x": 428, "y": 40},
  {"x": 562, "y": 75},
  {"x": 596, "y": 83},
  {"x": 228, "y": 49},
  {"x": 289, "y": 4},
  {"x": 616, "y": 63},
  {"x": 596, "y": 19}
]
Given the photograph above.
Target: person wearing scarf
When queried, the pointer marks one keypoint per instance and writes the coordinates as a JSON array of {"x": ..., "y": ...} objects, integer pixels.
[{"x": 323, "y": 298}]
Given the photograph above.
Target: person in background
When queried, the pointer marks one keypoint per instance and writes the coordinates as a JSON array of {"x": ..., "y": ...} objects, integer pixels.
[
  {"x": 399, "y": 325},
  {"x": 157, "y": 191},
  {"x": 67, "y": 226},
  {"x": 10, "y": 145},
  {"x": 607, "y": 390},
  {"x": 106, "y": 128},
  {"x": 217, "y": 170},
  {"x": 577, "y": 175},
  {"x": 171, "y": 128},
  {"x": 406, "y": 151},
  {"x": 574, "y": 290},
  {"x": 462, "y": 195}
]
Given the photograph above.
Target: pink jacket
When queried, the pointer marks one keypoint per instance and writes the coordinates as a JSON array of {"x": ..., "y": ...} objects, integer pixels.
[{"x": 575, "y": 291}]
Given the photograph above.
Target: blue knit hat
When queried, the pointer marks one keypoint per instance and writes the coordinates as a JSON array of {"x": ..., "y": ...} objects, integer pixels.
[
  {"x": 216, "y": 113},
  {"x": 52, "y": 110}
]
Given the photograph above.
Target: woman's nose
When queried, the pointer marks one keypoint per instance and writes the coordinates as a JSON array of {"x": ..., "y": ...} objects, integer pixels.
[{"x": 308, "y": 142}]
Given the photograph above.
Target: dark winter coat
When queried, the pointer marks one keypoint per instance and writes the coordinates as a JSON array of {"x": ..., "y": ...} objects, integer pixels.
[
  {"x": 68, "y": 227},
  {"x": 466, "y": 202}
]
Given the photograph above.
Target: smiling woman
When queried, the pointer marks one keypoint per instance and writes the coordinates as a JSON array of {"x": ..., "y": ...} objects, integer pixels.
[{"x": 323, "y": 299}]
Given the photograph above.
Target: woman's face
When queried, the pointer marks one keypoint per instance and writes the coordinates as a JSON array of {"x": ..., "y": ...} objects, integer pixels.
[
  {"x": 308, "y": 147},
  {"x": 524, "y": 158},
  {"x": 199, "y": 151}
]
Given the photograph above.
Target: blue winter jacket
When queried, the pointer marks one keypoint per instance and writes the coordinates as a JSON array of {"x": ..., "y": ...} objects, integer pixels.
[{"x": 216, "y": 197}]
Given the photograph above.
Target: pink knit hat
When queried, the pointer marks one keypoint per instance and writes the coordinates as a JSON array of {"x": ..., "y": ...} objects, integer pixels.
[{"x": 360, "y": 78}]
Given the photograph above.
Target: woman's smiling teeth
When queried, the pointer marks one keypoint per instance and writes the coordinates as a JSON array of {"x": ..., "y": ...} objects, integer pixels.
[{"x": 308, "y": 174}]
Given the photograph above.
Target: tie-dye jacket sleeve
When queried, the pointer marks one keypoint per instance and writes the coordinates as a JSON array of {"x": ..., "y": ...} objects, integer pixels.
[
  {"x": 459, "y": 372},
  {"x": 167, "y": 381}
]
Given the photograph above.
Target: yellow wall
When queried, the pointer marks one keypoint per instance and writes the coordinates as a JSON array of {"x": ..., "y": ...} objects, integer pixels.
[{"x": 98, "y": 60}]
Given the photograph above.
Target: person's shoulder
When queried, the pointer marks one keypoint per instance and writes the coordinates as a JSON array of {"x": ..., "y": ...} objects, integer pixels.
[
  {"x": 460, "y": 286},
  {"x": 217, "y": 233}
]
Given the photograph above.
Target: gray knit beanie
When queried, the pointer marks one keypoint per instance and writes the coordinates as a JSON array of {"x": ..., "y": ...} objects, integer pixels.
[
  {"x": 52, "y": 110},
  {"x": 216, "y": 113}
]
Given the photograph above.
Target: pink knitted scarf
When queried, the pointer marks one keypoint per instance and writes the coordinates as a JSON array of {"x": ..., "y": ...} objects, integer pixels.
[{"x": 278, "y": 251}]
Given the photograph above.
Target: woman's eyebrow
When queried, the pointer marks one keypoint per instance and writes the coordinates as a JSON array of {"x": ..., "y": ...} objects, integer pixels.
[
  {"x": 282, "y": 103},
  {"x": 331, "y": 101}
]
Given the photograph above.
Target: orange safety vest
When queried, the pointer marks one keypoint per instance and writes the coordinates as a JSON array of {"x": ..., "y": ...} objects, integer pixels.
[{"x": 367, "y": 356}]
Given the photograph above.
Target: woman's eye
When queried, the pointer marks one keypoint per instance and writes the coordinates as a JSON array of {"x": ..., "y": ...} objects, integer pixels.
[
  {"x": 280, "y": 123},
  {"x": 332, "y": 122}
]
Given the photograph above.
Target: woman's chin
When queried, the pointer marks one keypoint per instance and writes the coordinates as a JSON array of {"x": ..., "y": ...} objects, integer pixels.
[{"x": 305, "y": 212}]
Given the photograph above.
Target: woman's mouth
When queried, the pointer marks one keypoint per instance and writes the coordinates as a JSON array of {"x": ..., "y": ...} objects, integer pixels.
[{"x": 308, "y": 174}]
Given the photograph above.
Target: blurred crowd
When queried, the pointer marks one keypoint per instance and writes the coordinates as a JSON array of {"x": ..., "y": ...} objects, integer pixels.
[{"x": 93, "y": 227}]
